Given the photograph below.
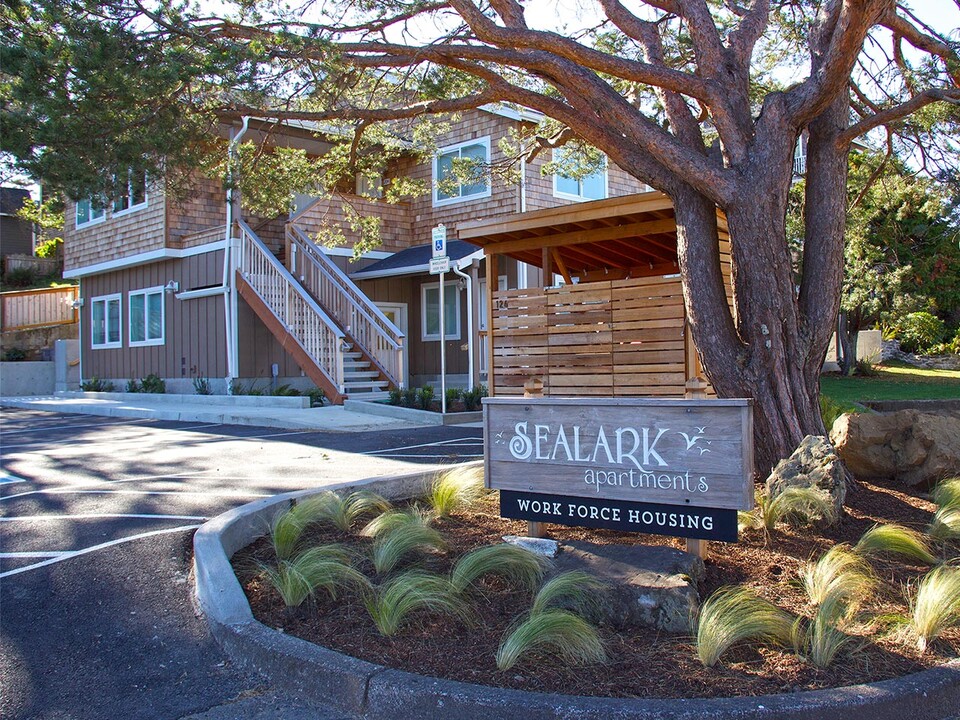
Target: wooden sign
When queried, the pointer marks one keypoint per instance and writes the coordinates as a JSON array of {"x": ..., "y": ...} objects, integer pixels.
[{"x": 687, "y": 453}]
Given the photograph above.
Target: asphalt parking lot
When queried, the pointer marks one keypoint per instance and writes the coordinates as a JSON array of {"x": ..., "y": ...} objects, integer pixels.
[{"x": 96, "y": 521}]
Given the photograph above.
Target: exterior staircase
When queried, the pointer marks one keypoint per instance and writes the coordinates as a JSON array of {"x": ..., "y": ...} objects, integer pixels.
[{"x": 336, "y": 334}]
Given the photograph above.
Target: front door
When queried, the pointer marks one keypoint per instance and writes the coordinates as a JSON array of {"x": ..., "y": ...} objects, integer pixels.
[{"x": 397, "y": 314}]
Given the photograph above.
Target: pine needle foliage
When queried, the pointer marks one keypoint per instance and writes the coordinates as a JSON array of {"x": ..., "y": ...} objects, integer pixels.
[
  {"x": 519, "y": 567},
  {"x": 391, "y": 605},
  {"x": 320, "y": 568},
  {"x": 391, "y": 519},
  {"x": 946, "y": 523},
  {"x": 947, "y": 493},
  {"x": 573, "y": 590},
  {"x": 733, "y": 614},
  {"x": 455, "y": 489},
  {"x": 391, "y": 546},
  {"x": 893, "y": 539},
  {"x": 935, "y": 607},
  {"x": 553, "y": 631},
  {"x": 840, "y": 577}
]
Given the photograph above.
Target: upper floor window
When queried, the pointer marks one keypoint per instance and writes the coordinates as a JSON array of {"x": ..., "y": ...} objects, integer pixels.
[
  {"x": 146, "y": 317},
  {"x": 90, "y": 212},
  {"x": 369, "y": 186},
  {"x": 452, "y": 163},
  {"x": 133, "y": 196},
  {"x": 571, "y": 187},
  {"x": 105, "y": 322}
]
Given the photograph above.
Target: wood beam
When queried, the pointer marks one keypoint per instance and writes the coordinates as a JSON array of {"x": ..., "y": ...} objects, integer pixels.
[
  {"x": 562, "y": 267},
  {"x": 579, "y": 237}
]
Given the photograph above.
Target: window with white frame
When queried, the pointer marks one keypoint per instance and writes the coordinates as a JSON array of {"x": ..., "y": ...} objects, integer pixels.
[
  {"x": 133, "y": 196},
  {"x": 447, "y": 186},
  {"x": 105, "y": 316},
  {"x": 590, "y": 187},
  {"x": 146, "y": 317},
  {"x": 430, "y": 311},
  {"x": 90, "y": 212}
]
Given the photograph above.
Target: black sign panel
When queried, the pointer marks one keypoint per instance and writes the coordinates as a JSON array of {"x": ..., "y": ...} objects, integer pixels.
[{"x": 674, "y": 520}]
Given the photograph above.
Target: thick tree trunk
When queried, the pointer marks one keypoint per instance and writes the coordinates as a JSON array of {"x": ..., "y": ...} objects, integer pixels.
[
  {"x": 762, "y": 351},
  {"x": 847, "y": 357}
]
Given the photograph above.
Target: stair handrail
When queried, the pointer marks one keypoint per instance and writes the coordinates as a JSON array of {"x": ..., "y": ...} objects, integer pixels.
[
  {"x": 329, "y": 341},
  {"x": 380, "y": 339}
]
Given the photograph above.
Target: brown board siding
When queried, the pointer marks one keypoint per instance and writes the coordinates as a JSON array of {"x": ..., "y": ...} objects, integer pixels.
[{"x": 193, "y": 329}]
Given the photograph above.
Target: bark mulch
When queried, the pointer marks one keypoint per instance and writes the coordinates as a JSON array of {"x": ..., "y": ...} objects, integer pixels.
[{"x": 642, "y": 663}]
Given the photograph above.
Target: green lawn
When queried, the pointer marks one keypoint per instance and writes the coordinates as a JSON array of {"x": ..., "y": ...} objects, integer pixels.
[{"x": 895, "y": 382}]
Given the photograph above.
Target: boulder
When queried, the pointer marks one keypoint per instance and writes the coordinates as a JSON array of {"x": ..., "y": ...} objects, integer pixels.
[
  {"x": 913, "y": 447},
  {"x": 649, "y": 586},
  {"x": 538, "y": 546},
  {"x": 813, "y": 464}
]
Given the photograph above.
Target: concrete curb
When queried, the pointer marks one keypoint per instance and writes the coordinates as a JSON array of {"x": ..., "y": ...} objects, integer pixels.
[
  {"x": 260, "y": 401},
  {"x": 421, "y": 417},
  {"x": 373, "y": 691}
]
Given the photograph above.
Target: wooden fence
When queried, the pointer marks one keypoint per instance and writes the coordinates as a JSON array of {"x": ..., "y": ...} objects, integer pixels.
[
  {"x": 41, "y": 266},
  {"x": 623, "y": 338},
  {"x": 24, "y": 309}
]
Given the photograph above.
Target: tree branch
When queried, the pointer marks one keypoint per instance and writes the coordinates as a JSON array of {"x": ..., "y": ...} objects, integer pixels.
[{"x": 898, "y": 112}]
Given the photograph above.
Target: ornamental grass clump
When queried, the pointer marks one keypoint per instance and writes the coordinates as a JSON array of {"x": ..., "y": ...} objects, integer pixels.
[
  {"x": 287, "y": 527},
  {"x": 947, "y": 493},
  {"x": 935, "y": 607},
  {"x": 893, "y": 539},
  {"x": 519, "y": 567},
  {"x": 341, "y": 511},
  {"x": 823, "y": 638},
  {"x": 798, "y": 505},
  {"x": 946, "y": 520},
  {"x": 733, "y": 614},
  {"x": 455, "y": 489},
  {"x": 385, "y": 522},
  {"x": 391, "y": 546},
  {"x": 839, "y": 577},
  {"x": 321, "y": 568},
  {"x": 556, "y": 631},
  {"x": 391, "y": 605}
]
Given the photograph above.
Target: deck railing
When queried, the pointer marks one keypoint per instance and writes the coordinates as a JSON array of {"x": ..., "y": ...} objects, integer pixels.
[
  {"x": 299, "y": 313},
  {"x": 25, "y": 309},
  {"x": 366, "y": 324}
]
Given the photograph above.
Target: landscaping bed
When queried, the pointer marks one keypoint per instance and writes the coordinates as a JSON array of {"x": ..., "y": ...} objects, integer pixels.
[{"x": 641, "y": 662}]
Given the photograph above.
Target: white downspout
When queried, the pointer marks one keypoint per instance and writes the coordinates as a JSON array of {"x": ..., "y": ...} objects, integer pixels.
[
  {"x": 230, "y": 263},
  {"x": 470, "y": 340}
]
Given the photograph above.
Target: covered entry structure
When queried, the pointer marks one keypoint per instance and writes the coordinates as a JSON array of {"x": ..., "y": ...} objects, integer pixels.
[{"x": 616, "y": 324}]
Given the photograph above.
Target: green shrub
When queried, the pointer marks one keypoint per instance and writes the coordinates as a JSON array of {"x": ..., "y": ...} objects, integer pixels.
[
  {"x": 918, "y": 331},
  {"x": 453, "y": 395},
  {"x": 519, "y": 567},
  {"x": 408, "y": 398},
  {"x": 285, "y": 390},
  {"x": 831, "y": 409},
  {"x": 391, "y": 604},
  {"x": 133, "y": 386},
  {"x": 317, "y": 396},
  {"x": 201, "y": 386},
  {"x": 865, "y": 368},
  {"x": 425, "y": 397},
  {"x": 454, "y": 489},
  {"x": 395, "y": 396},
  {"x": 20, "y": 277},
  {"x": 14, "y": 355},
  {"x": 153, "y": 383},
  {"x": 733, "y": 614},
  {"x": 472, "y": 398},
  {"x": 95, "y": 384}
]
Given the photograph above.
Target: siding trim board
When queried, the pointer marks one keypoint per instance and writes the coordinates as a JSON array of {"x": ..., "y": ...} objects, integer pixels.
[{"x": 142, "y": 259}]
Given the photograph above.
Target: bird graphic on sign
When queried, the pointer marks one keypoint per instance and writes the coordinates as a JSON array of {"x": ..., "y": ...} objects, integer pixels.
[{"x": 692, "y": 441}]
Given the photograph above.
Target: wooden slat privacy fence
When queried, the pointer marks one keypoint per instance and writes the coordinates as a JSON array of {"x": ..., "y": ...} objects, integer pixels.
[
  {"x": 25, "y": 309},
  {"x": 622, "y": 338}
]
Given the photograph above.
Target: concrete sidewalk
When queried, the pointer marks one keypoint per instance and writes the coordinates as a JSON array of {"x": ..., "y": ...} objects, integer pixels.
[{"x": 273, "y": 412}]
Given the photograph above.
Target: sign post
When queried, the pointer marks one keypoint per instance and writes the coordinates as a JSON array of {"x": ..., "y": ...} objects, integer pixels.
[
  {"x": 681, "y": 468},
  {"x": 439, "y": 265}
]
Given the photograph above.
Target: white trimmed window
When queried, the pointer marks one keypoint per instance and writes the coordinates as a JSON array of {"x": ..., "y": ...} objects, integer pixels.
[
  {"x": 444, "y": 172},
  {"x": 591, "y": 187},
  {"x": 146, "y": 317},
  {"x": 430, "y": 311},
  {"x": 105, "y": 317},
  {"x": 134, "y": 197},
  {"x": 90, "y": 212}
]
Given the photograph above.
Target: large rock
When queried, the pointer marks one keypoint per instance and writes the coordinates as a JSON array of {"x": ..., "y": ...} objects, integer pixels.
[
  {"x": 813, "y": 464},
  {"x": 914, "y": 447},
  {"x": 647, "y": 585}
]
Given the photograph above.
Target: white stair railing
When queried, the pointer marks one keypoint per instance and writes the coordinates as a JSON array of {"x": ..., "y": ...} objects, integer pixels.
[
  {"x": 366, "y": 324},
  {"x": 299, "y": 313}
]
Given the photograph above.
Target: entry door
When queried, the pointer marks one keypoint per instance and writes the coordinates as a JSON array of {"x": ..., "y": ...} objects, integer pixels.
[{"x": 397, "y": 314}]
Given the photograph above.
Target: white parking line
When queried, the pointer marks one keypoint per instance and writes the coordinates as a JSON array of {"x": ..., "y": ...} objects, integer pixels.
[
  {"x": 114, "y": 441},
  {"x": 447, "y": 456},
  {"x": 44, "y": 428},
  {"x": 95, "y": 548},
  {"x": 8, "y": 479},
  {"x": 31, "y": 555},
  {"x": 99, "y": 516},
  {"x": 187, "y": 493},
  {"x": 173, "y": 476},
  {"x": 411, "y": 447}
]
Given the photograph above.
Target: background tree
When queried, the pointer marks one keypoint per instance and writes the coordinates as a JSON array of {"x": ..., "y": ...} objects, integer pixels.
[{"x": 702, "y": 99}]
